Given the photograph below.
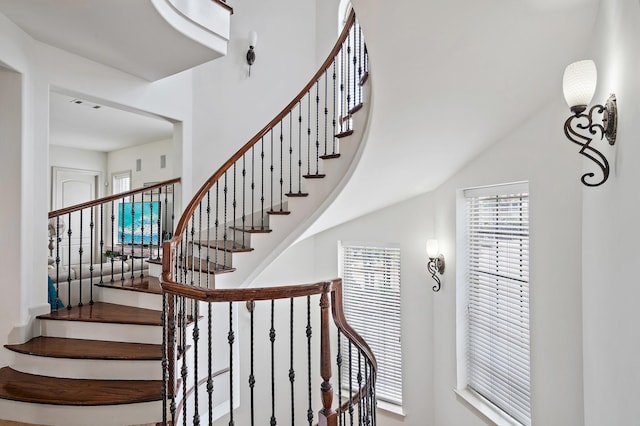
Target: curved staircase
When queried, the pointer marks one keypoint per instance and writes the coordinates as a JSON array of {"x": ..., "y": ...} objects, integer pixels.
[{"x": 100, "y": 362}]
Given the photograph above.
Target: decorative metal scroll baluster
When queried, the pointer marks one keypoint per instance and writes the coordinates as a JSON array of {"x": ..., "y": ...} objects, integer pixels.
[
  {"x": 80, "y": 258},
  {"x": 165, "y": 360},
  {"x": 262, "y": 183},
  {"x": 300, "y": 146},
  {"x": 356, "y": 100},
  {"x": 101, "y": 243},
  {"x": 343, "y": 99},
  {"x": 182, "y": 351},
  {"x": 317, "y": 128},
  {"x": 292, "y": 373},
  {"x": 351, "y": 409},
  {"x": 210, "y": 360},
  {"x": 91, "y": 257},
  {"x": 290, "y": 158},
  {"x": 360, "y": 60},
  {"x": 244, "y": 215},
  {"x": 210, "y": 268},
  {"x": 200, "y": 245},
  {"x": 58, "y": 239},
  {"x": 272, "y": 339},
  {"x": 231, "y": 339},
  {"x": 333, "y": 122},
  {"x": 348, "y": 76},
  {"x": 309, "y": 335},
  {"x": 326, "y": 112},
  {"x": 217, "y": 225},
  {"x": 69, "y": 233},
  {"x": 252, "y": 377},
  {"x": 271, "y": 169},
  {"x": 281, "y": 166},
  {"x": 309, "y": 132},
  {"x": 359, "y": 379},
  {"x": 225, "y": 238},
  {"x": 122, "y": 240},
  {"x": 253, "y": 186},
  {"x": 196, "y": 338},
  {"x": 339, "y": 364}
]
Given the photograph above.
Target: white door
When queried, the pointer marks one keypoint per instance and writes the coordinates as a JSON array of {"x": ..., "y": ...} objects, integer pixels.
[{"x": 70, "y": 187}]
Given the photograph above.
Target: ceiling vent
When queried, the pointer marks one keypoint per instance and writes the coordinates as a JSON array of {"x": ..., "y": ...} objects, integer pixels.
[{"x": 85, "y": 103}]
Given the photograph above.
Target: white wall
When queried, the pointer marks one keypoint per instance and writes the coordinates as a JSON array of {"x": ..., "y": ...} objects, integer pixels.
[
  {"x": 149, "y": 154},
  {"x": 610, "y": 248},
  {"x": 41, "y": 68},
  {"x": 229, "y": 106}
]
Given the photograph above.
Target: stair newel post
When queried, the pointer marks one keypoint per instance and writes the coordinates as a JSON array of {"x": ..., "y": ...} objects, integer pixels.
[{"x": 327, "y": 415}]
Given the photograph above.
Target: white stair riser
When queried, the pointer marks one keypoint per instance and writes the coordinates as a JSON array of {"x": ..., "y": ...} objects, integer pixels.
[
  {"x": 102, "y": 415},
  {"x": 130, "y": 298},
  {"x": 87, "y": 368},
  {"x": 102, "y": 331}
]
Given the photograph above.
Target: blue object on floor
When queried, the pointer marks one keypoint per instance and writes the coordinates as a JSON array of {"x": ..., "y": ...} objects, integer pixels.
[{"x": 53, "y": 297}]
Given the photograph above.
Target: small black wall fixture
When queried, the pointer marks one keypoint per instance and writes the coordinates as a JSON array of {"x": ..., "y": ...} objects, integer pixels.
[
  {"x": 251, "y": 54},
  {"x": 579, "y": 85},
  {"x": 436, "y": 263}
]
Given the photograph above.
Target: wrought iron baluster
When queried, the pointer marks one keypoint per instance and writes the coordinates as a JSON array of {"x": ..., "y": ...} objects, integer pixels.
[
  {"x": 300, "y": 146},
  {"x": 165, "y": 360},
  {"x": 290, "y": 156},
  {"x": 244, "y": 217},
  {"x": 209, "y": 268},
  {"x": 309, "y": 388},
  {"x": 231, "y": 339},
  {"x": 333, "y": 135},
  {"x": 351, "y": 384},
  {"x": 252, "y": 377},
  {"x": 360, "y": 60},
  {"x": 355, "y": 64},
  {"x": 160, "y": 231},
  {"x": 342, "y": 96},
  {"x": 210, "y": 360},
  {"x": 281, "y": 166},
  {"x": 339, "y": 364},
  {"x": 234, "y": 205},
  {"x": 201, "y": 244},
  {"x": 309, "y": 132},
  {"x": 92, "y": 254},
  {"x": 253, "y": 185},
  {"x": 225, "y": 237},
  {"x": 292, "y": 373},
  {"x": 182, "y": 349},
  {"x": 348, "y": 76},
  {"x": 173, "y": 320},
  {"x": 123, "y": 241},
  {"x": 196, "y": 338},
  {"x": 217, "y": 225},
  {"x": 317, "y": 127},
  {"x": 326, "y": 112},
  {"x": 69, "y": 232},
  {"x": 271, "y": 169},
  {"x": 262, "y": 183},
  {"x": 272, "y": 339},
  {"x": 58, "y": 239},
  {"x": 191, "y": 249},
  {"x": 359, "y": 379},
  {"x": 80, "y": 261},
  {"x": 101, "y": 242}
]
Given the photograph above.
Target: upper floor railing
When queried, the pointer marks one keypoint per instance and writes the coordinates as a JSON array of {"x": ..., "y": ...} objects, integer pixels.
[{"x": 108, "y": 240}]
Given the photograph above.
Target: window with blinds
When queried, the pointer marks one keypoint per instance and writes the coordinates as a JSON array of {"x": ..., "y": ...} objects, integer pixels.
[
  {"x": 371, "y": 290},
  {"x": 497, "y": 297}
]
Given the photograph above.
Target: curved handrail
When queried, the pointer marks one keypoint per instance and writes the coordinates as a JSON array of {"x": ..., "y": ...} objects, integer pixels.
[
  {"x": 286, "y": 292},
  {"x": 199, "y": 196},
  {"x": 98, "y": 201}
]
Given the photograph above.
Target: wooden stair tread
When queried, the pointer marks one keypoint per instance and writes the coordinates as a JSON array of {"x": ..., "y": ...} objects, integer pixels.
[
  {"x": 228, "y": 245},
  {"x": 344, "y": 134},
  {"x": 278, "y": 212},
  {"x": 59, "y": 347},
  {"x": 107, "y": 313},
  {"x": 364, "y": 78},
  {"x": 296, "y": 194},
  {"x": 251, "y": 230},
  {"x": 142, "y": 284},
  {"x": 207, "y": 267},
  {"x": 329, "y": 156},
  {"x": 17, "y": 386},
  {"x": 314, "y": 176},
  {"x": 157, "y": 261}
]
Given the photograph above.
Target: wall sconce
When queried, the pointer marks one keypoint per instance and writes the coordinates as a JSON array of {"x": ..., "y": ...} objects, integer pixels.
[
  {"x": 579, "y": 86},
  {"x": 251, "y": 54},
  {"x": 436, "y": 262}
]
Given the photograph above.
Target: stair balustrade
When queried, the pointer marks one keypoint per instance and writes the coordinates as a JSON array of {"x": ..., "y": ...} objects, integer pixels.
[
  {"x": 234, "y": 204},
  {"x": 291, "y": 327},
  {"x": 108, "y": 241}
]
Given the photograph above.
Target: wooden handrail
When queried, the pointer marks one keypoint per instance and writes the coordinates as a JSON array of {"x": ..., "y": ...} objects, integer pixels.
[
  {"x": 199, "y": 196},
  {"x": 98, "y": 201},
  {"x": 246, "y": 294}
]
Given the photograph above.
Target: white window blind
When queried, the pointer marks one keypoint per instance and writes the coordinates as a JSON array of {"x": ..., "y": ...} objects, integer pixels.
[
  {"x": 371, "y": 291},
  {"x": 497, "y": 275}
]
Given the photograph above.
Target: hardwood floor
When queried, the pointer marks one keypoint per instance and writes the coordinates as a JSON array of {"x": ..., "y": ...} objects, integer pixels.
[{"x": 107, "y": 313}]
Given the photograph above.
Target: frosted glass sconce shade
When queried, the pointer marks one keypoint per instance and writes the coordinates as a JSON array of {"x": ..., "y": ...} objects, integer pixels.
[{"x": 579, "y": 84}]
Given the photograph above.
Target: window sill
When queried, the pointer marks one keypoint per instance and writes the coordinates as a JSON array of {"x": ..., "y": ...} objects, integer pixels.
[
  {"x": 486, "y": 408},
  {"x": 390, "y": 408}
]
